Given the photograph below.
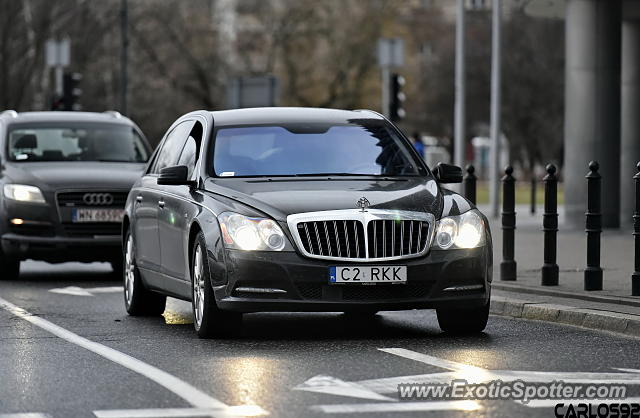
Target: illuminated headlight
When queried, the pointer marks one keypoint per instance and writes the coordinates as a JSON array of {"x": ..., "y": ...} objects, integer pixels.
[
  {"x": 23, "y": 193},
  {"x": 250, "y": 234},
  {"x": 462, "y": 231}
]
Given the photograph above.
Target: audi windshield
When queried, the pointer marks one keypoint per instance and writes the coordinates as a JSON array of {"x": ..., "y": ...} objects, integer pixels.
[
  {"x": 79, "y": 142},
  {"x": 365, "y": 147}
]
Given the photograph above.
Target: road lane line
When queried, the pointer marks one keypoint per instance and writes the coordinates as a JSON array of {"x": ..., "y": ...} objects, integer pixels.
[
  {"x": 233, "y": 411},
  {"x": 179, "y": 387},
  {"x": 26, "y": 415},
  {"x": 396, "y": 407},
  {"x": 85, "y": 291},
  {"x": 433, "y": 361}
]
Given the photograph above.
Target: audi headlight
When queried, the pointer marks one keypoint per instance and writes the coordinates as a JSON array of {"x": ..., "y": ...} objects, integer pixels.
[
  {"x": 23, "y": 193},
  {"x": 462, "y": 231},
  {"x": 250, "y": 234}
]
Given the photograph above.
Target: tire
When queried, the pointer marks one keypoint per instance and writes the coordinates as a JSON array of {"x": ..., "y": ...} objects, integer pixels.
[
  {"x": 9, "y": 268},
  {"x": 463, "y": 321},
  {"x": 138, "y": 300},
  {"x": 208, "y": 320}
]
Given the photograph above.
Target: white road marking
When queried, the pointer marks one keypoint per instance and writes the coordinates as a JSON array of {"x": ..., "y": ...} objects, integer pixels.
[
  {"x": 546, "y": 403},
  {"x": 179, "y": 387},
  {"x": 473, "y": 374},
  {"x": 232, "y": 411},
  {"x": 398, "y": 407},
  {"x": 433, "y": 361},
  {"x": 26, "y": 415},
  {"x": 86, "y": 291},
  {"x": 335, "y": 386}
]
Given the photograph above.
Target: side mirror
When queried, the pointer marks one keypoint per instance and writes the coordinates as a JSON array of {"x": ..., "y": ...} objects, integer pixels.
[
  {"x": 175, "y": 176},
  {"x": 447, "y": 173}
]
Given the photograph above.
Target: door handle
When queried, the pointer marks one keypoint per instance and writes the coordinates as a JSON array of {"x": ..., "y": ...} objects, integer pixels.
[
  {"x": 161, "y": 203},
  {"x": 139, "y": 199}
]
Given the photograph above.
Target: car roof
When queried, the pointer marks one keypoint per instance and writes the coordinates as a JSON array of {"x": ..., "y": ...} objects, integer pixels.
[
  {"x": 11, "y": 117},
  {"x": 285, "y": 115}
]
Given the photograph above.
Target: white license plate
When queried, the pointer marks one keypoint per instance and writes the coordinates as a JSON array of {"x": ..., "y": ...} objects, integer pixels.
[
  {"x": 368, "y": 274},
  {"x": 97, "y": 215}
]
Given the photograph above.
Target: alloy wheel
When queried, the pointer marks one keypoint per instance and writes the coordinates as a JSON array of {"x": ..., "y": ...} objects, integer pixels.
[
  {"x": 129, "y": 271},
  {"x": 198, "y": 286}
]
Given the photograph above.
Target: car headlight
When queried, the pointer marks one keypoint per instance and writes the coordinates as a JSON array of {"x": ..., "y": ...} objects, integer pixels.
[
  {"x": 23, "y": 193},
  {"x": 250, "y": 234},
  {"x": 462, "y": 231}
]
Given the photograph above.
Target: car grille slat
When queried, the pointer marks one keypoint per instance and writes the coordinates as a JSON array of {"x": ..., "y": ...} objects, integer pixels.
[
  {"x": 77, "y": 198},
  {"x": 349, "y": 239},
  {"x": 335, "y": 230}
]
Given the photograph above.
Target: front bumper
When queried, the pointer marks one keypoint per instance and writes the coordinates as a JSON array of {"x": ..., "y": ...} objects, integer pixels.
[
  {"x": 48, "y": 234},
  {"x": 439, "y": 279},
  {"x": 59, "y": 248}
]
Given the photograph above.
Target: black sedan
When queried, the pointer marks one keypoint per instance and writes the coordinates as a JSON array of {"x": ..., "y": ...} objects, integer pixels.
[
  {"x": 64, "y": 180},
  {"x": 298, "y": 209}
]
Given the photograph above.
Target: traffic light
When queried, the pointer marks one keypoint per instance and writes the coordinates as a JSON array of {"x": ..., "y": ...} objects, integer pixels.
[
  {"x": 71, "y": 91},
  {"x": 396, "y": 105}
]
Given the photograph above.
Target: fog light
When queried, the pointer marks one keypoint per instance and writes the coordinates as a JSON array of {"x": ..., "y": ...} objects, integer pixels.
[{"x": 17, "y": 221}]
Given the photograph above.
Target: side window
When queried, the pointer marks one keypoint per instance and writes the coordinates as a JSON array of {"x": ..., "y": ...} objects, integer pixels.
[
  {"x": 191, "y": 151},
  {"x": 171, "y": 147}
]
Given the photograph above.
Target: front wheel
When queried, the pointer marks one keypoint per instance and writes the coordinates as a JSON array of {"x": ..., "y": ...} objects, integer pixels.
[
  {"x": 208, "y": 320},
  {"x": 463, "y": 321},
  {"x": 138, "y": 300}
]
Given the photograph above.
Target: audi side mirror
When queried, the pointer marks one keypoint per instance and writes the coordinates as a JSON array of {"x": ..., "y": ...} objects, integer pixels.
[
  {"x": 447, "y": 173},
  {"x": 175, "y": 176}
]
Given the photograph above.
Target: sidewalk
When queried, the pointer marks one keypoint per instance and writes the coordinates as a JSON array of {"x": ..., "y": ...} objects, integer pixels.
[{"x": 527, "y": 298}]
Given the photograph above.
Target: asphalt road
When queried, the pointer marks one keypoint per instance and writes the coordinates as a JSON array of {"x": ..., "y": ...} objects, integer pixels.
[{"x": 68, "y": 349}]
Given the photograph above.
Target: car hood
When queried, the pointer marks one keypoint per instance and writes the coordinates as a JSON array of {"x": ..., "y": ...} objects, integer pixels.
[
  {"x": 281, "y": 197},
  {"x": 51, "y": 176}
]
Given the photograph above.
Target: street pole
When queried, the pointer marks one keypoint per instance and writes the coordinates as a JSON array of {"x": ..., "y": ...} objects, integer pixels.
[
  {"x": 496, "y": 52},
  {"x": 459, "y": 116},
  {"x": 124, "y": 33},
  {"x": 59, "y": 75},
  {"x": 386, "y": 100}
]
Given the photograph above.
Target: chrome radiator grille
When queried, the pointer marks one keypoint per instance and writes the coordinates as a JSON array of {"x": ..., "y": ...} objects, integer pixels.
[
  {"x": 344, "y": 239},
  {"x": 391, "y": 238},
  {"x": 362, "y": 236}
]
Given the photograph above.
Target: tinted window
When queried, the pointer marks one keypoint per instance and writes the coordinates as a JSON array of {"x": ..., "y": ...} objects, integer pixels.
[
  {"x": 364, "y": 147},
  {"x": 172, "y": 147},
  {"x": 79, "y": 142}
]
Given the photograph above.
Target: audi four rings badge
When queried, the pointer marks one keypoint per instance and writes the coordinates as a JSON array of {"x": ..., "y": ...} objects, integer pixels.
[{"x": 95, "y": 199}]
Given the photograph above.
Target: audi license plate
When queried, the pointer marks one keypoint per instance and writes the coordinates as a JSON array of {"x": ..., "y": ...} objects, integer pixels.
[
  {"x": 368, "y": 274},
  {"x": 97, "y": 215}
]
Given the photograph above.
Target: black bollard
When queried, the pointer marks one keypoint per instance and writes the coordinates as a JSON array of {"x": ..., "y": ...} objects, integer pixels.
[
  {"x": 533, "y": 193},
  {"x": 635, "y": 278},
  {"x": 550, "y": 227},
  {"x": 470, "y": 184},
  {"x": 508, "y": 265},
  {"x": 593, "y": 272}
]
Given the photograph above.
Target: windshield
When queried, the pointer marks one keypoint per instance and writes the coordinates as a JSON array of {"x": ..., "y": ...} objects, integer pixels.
[
  {"x": 365, "y": 147},
  {"x": 81, "y": 142}
]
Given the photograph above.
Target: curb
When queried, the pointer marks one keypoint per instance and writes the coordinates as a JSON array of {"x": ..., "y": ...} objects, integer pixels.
[
  {"x": 626, "y": 324},
  {"x": 618, "y": 300}
]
